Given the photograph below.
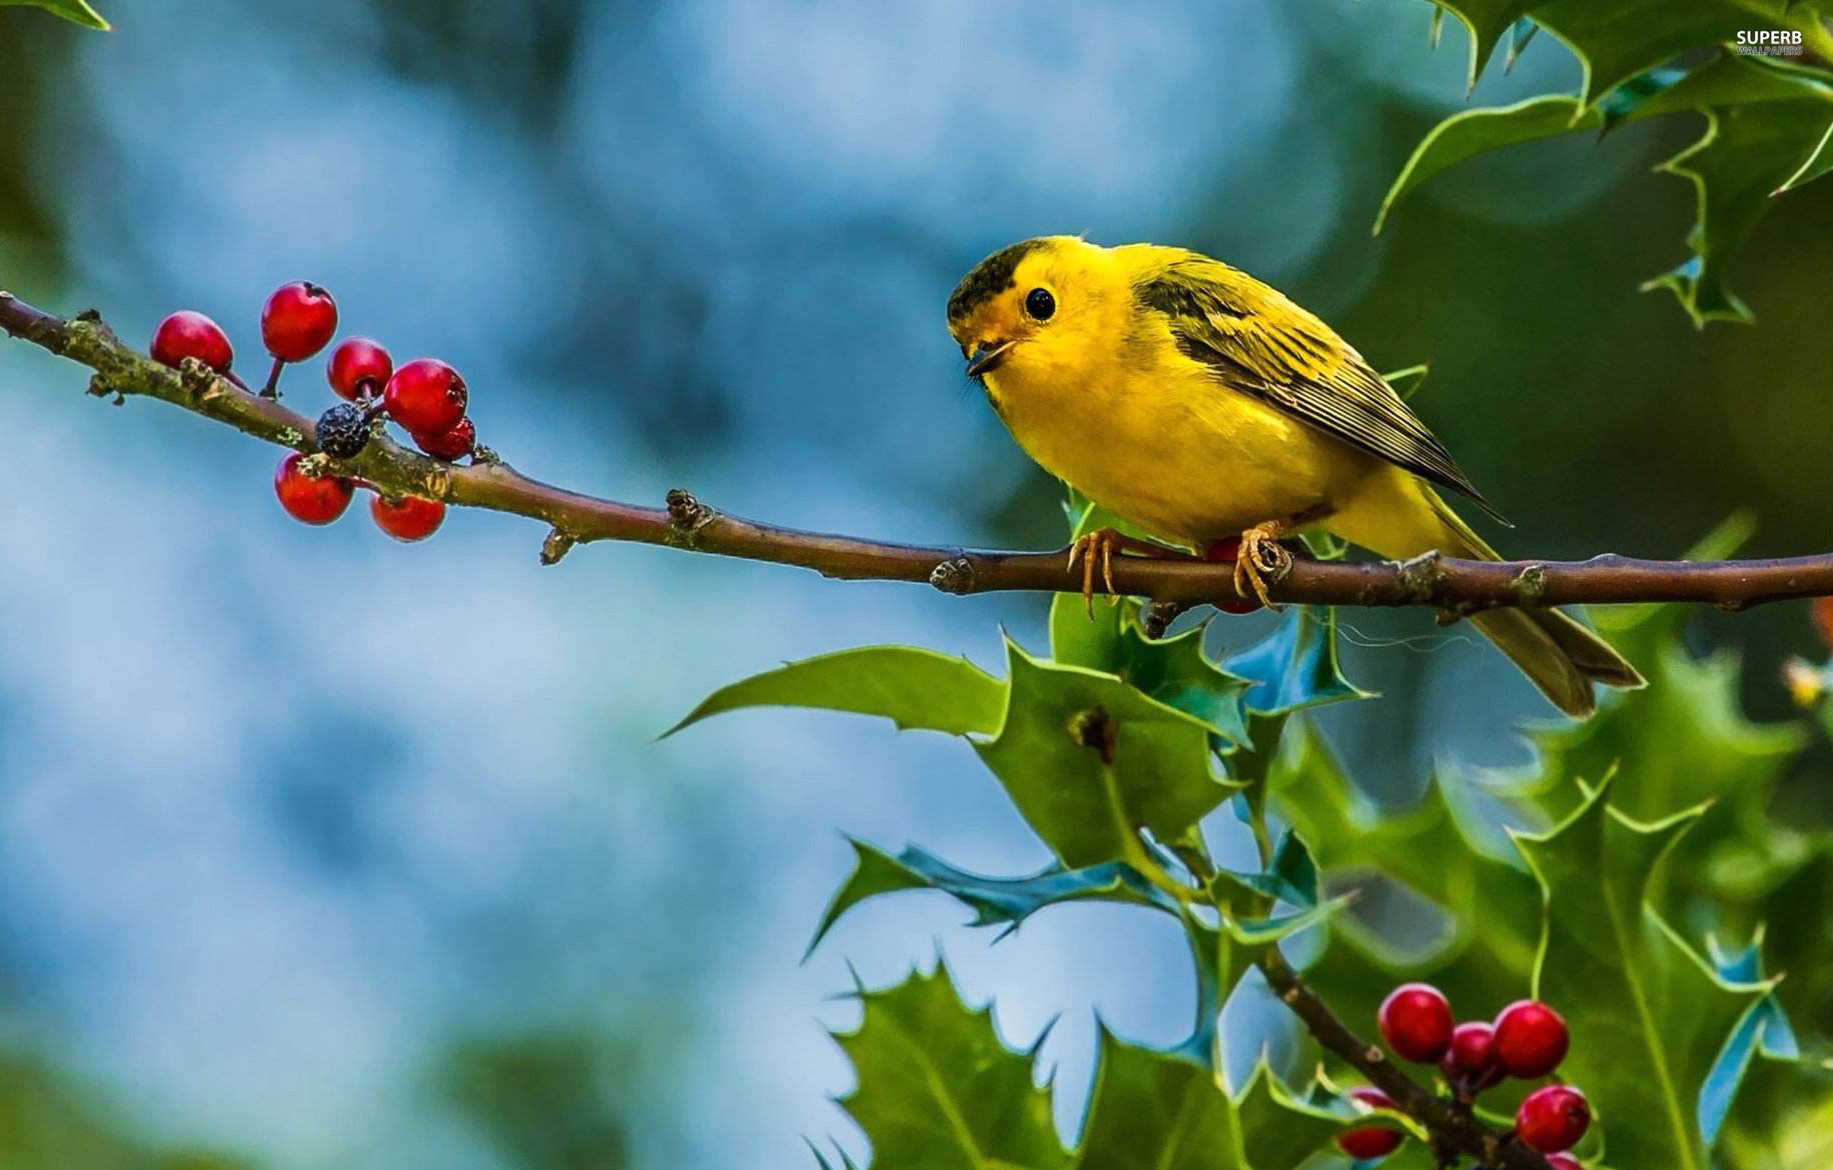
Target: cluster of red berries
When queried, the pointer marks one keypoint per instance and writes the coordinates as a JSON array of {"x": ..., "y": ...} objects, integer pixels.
[
  {"x": 426, "y": 396},
  {"x": 1527, "y": 1040}
]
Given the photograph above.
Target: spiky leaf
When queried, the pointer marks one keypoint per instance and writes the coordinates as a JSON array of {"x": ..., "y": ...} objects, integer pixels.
[
  {"x": 1295, "y": 667},
  {"x": 1291, "y": 877},
  {"x": 912, "y": 687},
  {"x": 1649, "y": 1017},
  {"x": 1176, "y": 671},
  {"x": 937, "y": 1090},
  {"x": 995, "y": 901},
  {"x": 74, "y": 11},
  {"x": 1158, "y": 1109},
  {"x": 1488, "y": 902},
  {"x": 1090, "y": 760},
  {"x": 1769, "y": 122}
]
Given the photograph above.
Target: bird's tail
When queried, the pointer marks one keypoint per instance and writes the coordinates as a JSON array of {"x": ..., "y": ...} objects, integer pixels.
[{"x": 1559, "y": 655}]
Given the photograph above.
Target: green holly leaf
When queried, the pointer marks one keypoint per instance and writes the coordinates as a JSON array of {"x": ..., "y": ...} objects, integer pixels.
[
  {"x": 912, "y": 687},
  {"x": 1783, "y": 1116},
  {"x": 995, "y": 901},
  {"x": 1291, "y": 878},
  {"x": 1764, "y": 1029},
  {"x": 1488, "y": 902},
  {"x": 1649, "y": 1017},
  {"x": 1486, "y": 21},
  {"x": 1817, "y": 163},
  {"x": 1680, "y": 742},
  {"x": 1090, "y": 760},
  {"x": 1295, "y": 667},
  {"x": 1769, "y": 124},
  {"x": 1518, "y": 40},
  {"x": 74, "y": 11},
  {"x": 1280, "y": 1128},
  {"x": 1221, "y": 961},
  {"x": 1617, "y": 40},
  {"x": 1176, "y": 671},
  {"x": 1748, "y": 154},
  {"x": 938, "y": 1090},
  {"x": 1159, "y": 1109},
  {"x": 1465, "y": 135},
  {"x": 1799, "y": 939}
]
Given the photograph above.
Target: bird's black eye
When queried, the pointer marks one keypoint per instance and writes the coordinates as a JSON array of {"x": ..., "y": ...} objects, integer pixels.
[{"x": 1040, "y": 304}]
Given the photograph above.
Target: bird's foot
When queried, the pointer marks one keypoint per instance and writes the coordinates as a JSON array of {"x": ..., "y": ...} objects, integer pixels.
[
  {"x": 1260, "y": 557},
  {"x": 1100, "y": 546}
]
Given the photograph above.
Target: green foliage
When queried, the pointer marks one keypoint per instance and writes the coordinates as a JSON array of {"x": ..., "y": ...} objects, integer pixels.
[
  {"x": 49, "y": 1120},
  {"x": 1486, "y": 899},
  {"x": 1649, "y": 1016},
  {"x": 1118, "y": 749},
  {"x": 1175, "y": 671},
  {"x": 913, "y": 688},
  {"x": 1089, "y": 760},
  {"x": 1769, "y": 122},
  {"x": 75, "y": 11},
  {"x": 543, "y": 1099},
  {"x": 938, "y": 1090},
  {"x": 995, "y": 901}
]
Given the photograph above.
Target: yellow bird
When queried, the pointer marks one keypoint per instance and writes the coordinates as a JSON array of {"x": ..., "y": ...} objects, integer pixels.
[{"x": 1202, "y": 405}]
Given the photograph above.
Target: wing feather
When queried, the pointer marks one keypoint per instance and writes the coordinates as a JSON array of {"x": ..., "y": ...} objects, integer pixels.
[{"x": 1261, "y": 344}]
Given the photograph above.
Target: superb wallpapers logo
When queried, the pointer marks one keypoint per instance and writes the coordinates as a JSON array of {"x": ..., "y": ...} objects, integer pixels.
[{"x": 1769, "y": 42}]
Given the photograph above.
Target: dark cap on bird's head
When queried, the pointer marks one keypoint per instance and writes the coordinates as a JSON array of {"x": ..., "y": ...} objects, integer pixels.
[{"x": 992, "y": 276}]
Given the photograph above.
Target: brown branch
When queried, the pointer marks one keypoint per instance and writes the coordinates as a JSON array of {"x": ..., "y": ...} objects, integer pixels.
[
  {"x": 1452, "y": 1127},
  {"x": 1452, "y": 586}
]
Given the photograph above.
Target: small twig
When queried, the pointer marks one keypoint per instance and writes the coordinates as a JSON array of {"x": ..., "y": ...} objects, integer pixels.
[
  {"x": 1452, "y": 586},
  {"x": 271, "y": 389}
]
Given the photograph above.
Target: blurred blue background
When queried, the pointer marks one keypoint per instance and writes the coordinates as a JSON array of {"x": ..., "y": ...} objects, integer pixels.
[{"x": 326, "y": 851}]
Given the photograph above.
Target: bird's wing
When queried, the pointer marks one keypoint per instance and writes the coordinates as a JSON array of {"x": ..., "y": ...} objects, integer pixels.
[{"x": 1259, "y": 343}]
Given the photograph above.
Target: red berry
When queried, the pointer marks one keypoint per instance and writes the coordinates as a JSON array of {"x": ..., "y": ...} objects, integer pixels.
[
  {"x": 312, "y": 501},
  {"x": 450, "y": 445},
  {"x": 1370, "y": 1141},
  {"x": 1553, "y": 1118},
  {"x": 188, "y": 333},
  {"x": 426, "y": 396},
  {"x": 1563, "y": 1162},
  {"x": 1823, "y": 618},
  {"x": 359, "y": 368},
  {"x": 1531, "y": 1039},
  {"x": 298, "y": 321},
  {"x": 1416, "y": 1022},
  {"x": 1472, "y": 1055},
  {"x": 408, "y": 519}
]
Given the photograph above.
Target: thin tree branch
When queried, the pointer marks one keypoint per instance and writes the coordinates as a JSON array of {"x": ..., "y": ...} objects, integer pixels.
[
  {"x": 1450, "y": 1126},
  {"x": 1455, "y": 587}
]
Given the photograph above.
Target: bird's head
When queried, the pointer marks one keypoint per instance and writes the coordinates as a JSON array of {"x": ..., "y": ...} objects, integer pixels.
[{"x": 1040, "y": 307}]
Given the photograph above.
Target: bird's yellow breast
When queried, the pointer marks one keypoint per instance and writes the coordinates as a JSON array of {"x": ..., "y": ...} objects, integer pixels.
[{"x": 1154, "y": 437}]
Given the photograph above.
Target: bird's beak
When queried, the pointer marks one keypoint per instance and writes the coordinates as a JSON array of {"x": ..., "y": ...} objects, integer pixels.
[{"x": 987, "y": 356}]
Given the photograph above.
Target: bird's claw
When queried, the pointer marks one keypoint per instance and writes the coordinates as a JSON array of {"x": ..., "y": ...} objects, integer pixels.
[
  {"x": 1086, "y": 548},
  {"x": 1261, "y": 556}
]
